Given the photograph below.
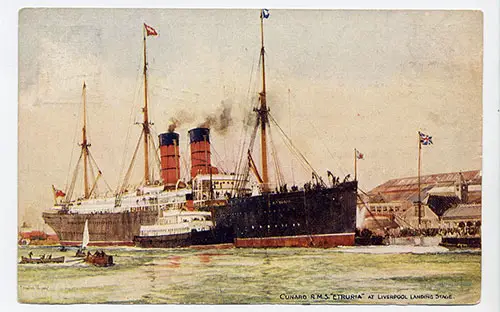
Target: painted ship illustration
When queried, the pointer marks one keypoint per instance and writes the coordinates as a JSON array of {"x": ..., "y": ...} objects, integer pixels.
[{"x": 213, "y": 207}]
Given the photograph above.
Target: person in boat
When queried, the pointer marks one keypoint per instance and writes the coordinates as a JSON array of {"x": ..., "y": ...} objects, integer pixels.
[{"x": 30, "y": 254}]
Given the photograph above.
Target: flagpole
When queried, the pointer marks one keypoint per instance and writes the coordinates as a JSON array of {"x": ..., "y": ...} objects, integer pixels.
[
  {"x": 419, "y": 165},
  {"x": 355, "y": 166}
]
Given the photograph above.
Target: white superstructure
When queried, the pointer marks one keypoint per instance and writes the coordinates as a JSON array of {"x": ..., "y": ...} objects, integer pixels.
[{"x": 173, "y": 222}]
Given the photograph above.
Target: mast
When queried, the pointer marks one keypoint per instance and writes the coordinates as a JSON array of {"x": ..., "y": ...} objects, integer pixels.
[
  {"x": 85, "y": 145},
  {"x": 145, "y": 123},
  {"x": 263, "y": 112}
]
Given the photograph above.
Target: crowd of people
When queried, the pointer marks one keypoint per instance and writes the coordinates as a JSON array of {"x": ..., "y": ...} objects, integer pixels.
[{"x": 444, "y": 232}]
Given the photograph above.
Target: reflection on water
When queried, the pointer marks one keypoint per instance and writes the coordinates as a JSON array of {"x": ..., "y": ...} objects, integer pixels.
[{"x": 284, "y": 275}]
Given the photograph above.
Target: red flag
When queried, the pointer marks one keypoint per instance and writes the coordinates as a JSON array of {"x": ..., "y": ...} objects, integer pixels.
[
  {"x": 359, "y": 155},
  {"x": 150, "y": 31},
  {"x": 60, "y": 193}
]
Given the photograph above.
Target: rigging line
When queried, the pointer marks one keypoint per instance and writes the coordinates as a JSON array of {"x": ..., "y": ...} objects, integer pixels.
[
  {"x": 129, "y": 171},
  {"x": 243, "y": 144},
  {"x": 251, "y": 76},
  {"x": 72, "y": 152},
  {"x": 243, "y": 167},
  {"x": 246, "y": 122},
  {"x": 288, "y": 139},
  {"x": 336, "y": 159},
  {"x": 239, "y": 171},
  {"x": 131, "y": 117},
  {"x": 250, "y": 148},
  {"x": 95, "y": 164},
  {"x": 278, "y": 174},
  {"x": 243, "y": 135},
  {"x": 92, "y": 174},
  {"x": 69, "y": 194},
  {"x": 297, "y": 155},
  {"x": 156, "y": 154},
  {"x": 290, "y": 131},
  {"x": 219, "y": 159},
  {"x": 246, "y": 169},
  {"x": 156, "y": 149},
  {"x": 371, "y": 213}
]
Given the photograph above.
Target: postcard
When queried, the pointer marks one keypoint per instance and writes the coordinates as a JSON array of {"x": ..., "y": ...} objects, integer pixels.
[{"x": 250, "y": 156}]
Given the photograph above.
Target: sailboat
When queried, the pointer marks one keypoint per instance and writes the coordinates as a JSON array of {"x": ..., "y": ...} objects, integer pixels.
[{"x": 85, "y": 240}]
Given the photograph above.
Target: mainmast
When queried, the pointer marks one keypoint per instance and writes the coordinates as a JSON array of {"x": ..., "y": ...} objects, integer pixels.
[
  {"x": 263, "y": 111},
  {"x": 85, "y": 145},
  {"x": 145, "y": 123}
]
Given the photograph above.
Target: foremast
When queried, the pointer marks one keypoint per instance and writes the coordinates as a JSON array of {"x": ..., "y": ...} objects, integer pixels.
[
  {"x": 87, "y": 160},
  {"x": 263, "y": 110}
]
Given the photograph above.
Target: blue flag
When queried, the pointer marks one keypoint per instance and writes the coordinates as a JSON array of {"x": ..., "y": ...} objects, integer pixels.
[
  {"x": 425, "y": 139},
  {"x": 265, "y": 13}
]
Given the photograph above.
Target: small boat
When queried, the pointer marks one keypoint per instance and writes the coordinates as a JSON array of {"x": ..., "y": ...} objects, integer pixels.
[
  {"x": 99, "y": 258},
  {"x": 42, "y": 259}
]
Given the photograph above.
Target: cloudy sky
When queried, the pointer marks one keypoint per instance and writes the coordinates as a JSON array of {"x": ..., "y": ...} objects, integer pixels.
[{"x": 336, "y": 80}]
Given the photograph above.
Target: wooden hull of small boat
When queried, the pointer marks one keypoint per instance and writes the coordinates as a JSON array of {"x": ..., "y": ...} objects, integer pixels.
[
  {"x": 102, "y": 261},
  {"x": 25, "y": 260}
]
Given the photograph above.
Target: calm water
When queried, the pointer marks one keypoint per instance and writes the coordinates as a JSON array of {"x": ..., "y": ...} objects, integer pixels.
[{"x": 360, "y": 275}]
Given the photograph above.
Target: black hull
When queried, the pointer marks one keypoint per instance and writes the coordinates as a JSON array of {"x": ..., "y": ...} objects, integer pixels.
[
  {"x": 185, "y": 239},
  {"x": 329, "y": 213}
]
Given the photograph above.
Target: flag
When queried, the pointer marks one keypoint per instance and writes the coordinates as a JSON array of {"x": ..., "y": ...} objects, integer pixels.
[
  {"x": 265, "y": 13},
  {"x": 150, "y": 31},
  {"x": 425, "y": 139},
  {"x": 359, "y": 155},
  {"x": 60, "y": 193}
]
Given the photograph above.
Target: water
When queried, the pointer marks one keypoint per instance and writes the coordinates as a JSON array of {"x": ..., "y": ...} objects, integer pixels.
[{"x": 356, "y": 275}]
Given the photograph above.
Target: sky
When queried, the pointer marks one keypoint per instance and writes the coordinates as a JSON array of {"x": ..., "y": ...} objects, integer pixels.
[{"x": 336, "y": 80}]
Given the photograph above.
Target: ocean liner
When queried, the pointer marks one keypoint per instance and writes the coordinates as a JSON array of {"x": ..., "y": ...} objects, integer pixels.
[
  {"x": 117, "y": 219},
  {"x": 317, "y": 215}
]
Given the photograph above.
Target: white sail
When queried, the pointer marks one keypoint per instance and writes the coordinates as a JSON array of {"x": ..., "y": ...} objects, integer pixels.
[{"x": 85, "y": 239}]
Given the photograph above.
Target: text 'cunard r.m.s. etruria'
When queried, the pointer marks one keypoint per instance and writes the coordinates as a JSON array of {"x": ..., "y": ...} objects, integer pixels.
[{"x": 321, "y": 296}]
